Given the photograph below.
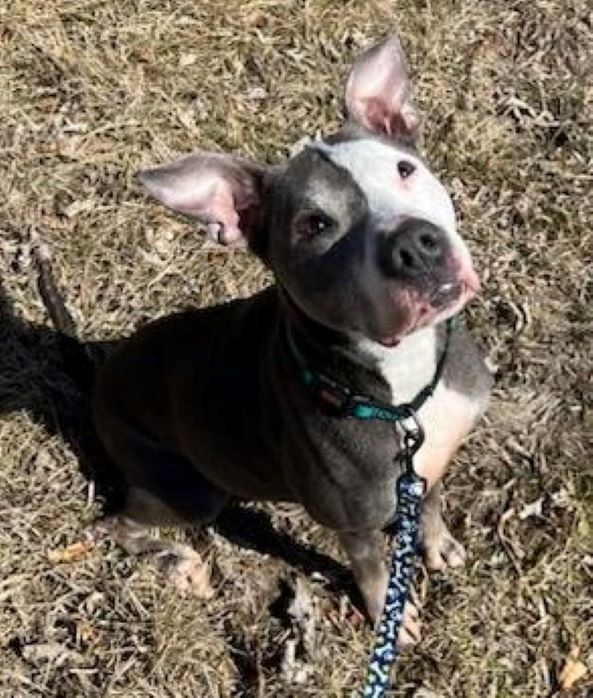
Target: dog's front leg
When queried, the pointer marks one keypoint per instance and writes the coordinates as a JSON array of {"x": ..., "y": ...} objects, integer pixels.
[
  {"x": 366, "y": 552},
  {"x": 441, "y": 549}
]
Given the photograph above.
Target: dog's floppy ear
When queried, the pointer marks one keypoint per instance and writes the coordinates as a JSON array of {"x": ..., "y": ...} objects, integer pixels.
[
  {"x": 378, "y": 91},
  {"x": 222, "y": 191}
]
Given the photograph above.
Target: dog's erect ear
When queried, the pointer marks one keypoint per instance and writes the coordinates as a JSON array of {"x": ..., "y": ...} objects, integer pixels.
[
  {"x": 378, "y": 91},
  {"x": 222, "y": 191}
]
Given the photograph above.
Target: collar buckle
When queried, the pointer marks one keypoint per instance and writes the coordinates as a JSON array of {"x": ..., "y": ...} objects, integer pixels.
[{"x": 337, "y": 398}]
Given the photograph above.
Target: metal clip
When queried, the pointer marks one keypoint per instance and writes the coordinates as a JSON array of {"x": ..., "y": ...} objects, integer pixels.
[
  {"x": 413, "y": 432},
  {"x": 413, "y": 436}
]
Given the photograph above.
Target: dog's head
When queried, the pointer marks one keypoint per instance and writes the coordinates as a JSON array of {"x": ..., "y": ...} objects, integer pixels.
[{"x": 358, "y": 231}]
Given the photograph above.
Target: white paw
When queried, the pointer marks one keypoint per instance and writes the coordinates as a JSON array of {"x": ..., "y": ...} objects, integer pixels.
[
  {"x": 188, "y": 572},
  {"x": 441, "y": 550},
  {"x": 410, "y": 630}
]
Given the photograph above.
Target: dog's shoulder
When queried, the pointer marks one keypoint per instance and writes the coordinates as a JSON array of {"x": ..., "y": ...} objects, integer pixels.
[{"x": 465, "y": 369}]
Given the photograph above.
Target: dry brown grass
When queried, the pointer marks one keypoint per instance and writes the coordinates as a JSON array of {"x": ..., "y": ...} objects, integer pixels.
[{"x": 92, "y": 90}]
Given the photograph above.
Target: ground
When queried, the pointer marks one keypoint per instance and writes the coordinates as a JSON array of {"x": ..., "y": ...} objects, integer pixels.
[{"x": 93, "y": 90}]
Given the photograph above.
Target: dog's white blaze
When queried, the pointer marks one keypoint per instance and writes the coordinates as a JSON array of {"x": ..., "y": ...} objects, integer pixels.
[
  {"x": 373, "y": 166},
  {"x": 407, "y": 367}
]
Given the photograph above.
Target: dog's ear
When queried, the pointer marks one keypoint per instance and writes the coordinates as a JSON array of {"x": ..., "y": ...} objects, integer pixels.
[
  {"x": 221, "y": 191},
  {"x": 378, "y": 91}
]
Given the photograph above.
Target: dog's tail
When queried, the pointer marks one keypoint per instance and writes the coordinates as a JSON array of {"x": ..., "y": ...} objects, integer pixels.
[
  {"x": 81, "y": 367},
  {"x": 78, "y": 361}
]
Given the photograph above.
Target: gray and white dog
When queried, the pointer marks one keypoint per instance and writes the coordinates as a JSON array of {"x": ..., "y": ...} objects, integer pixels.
[{"x": 208, "y": 405}]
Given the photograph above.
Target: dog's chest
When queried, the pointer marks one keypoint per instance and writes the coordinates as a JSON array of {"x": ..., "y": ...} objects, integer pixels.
[
  {"x": 409, "y": 367},
  {"x": 446, "y": 417}
]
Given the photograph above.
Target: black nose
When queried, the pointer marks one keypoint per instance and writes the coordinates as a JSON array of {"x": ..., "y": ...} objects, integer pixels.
[{"x": 414, "y": 249}]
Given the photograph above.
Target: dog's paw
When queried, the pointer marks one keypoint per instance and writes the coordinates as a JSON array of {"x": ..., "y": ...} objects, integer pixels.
[
  {"x": 188, "y": 572},
  {"x": 410, "y": 630},
  {"x": 442, "y": 550}
]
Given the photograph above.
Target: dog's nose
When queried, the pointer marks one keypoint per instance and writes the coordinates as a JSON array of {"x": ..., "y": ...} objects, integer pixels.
[{"x": 414, "y": 249}]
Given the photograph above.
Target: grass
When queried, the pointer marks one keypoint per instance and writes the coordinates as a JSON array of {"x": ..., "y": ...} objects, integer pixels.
[{"x": 93, "y": 90}]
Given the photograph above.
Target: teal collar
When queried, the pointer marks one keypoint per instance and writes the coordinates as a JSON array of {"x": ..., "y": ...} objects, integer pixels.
[{"x": 342, "y": 401}]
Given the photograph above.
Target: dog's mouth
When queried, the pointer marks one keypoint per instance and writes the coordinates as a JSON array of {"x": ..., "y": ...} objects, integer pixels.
[
  {"x": 446, "y": 294},
  {"x": 442, "y": 303}
]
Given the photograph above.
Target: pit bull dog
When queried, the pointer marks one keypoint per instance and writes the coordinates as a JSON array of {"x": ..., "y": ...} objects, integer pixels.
[{"x": 211, "y": 404}]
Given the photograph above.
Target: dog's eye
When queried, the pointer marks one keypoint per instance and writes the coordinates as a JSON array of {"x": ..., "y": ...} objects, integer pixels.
[
  {"x": 314, "y": 225},
  {"x": 405, "y": 168}
]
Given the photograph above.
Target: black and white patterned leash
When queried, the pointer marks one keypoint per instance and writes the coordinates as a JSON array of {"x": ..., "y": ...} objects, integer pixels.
[{"x": 410, "y": 490}]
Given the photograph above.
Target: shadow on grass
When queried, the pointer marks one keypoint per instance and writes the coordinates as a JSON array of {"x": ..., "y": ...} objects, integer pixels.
[
  {"x": 254, "y": 530},
  {"x": 44, "y": 373}
]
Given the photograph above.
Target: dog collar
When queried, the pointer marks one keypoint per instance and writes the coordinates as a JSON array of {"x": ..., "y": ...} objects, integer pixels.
[{"x": 342, "y": 401}]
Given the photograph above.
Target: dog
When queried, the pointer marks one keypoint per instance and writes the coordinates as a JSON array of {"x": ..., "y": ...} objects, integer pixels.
[{"x": 215, "y": 404}]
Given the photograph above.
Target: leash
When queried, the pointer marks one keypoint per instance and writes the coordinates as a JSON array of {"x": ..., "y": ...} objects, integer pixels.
[
  {"x": 341, "y": 401},
  {"x": 410, "y": 488}
]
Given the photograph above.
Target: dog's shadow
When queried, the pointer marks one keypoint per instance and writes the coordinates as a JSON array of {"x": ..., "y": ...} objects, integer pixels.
[
  {"x": 253, "y": 529},
  {"x": 40, "y": 373}
]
